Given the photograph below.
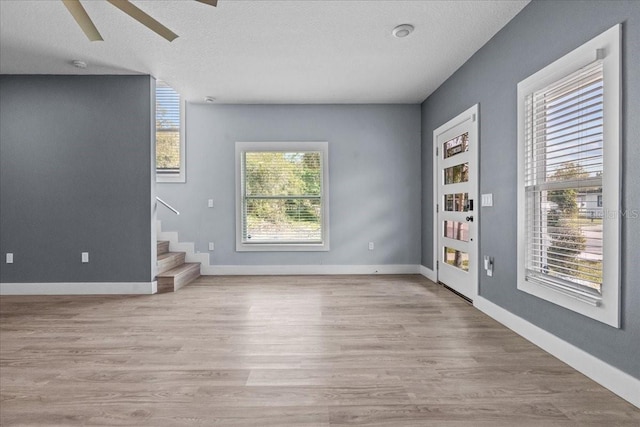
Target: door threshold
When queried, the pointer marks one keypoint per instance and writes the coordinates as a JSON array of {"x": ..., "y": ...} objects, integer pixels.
[{"x": 466, "y": 298}]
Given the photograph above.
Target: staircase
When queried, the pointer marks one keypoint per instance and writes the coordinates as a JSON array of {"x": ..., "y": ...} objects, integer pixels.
[{"x": 173, "y": 272}]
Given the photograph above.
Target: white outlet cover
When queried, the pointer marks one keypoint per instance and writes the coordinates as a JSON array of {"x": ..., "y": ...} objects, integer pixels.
[
  {"x": 211, "y": 246},
  {"x": 371, "y": 246},
  {"x": 210, "y": 203},
  {"x": 9, "y": 258},
  {"x": 85, "y": 257}
]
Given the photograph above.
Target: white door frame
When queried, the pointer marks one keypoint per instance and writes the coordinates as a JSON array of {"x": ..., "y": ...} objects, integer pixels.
[{"x": 473, "y": 115}]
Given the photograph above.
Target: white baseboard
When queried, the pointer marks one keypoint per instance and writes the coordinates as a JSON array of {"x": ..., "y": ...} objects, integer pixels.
[
  {"x": 429, "y": 274},
  {"x": 82, "y": 288},
  {"x": 621, "y": 383},
  {"x": 206, "y": 269},
  {"x": 272, "y": 270}
]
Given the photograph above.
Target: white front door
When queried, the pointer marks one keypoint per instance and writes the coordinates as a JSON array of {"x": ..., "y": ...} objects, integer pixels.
[{"x": 456, "y": 191}]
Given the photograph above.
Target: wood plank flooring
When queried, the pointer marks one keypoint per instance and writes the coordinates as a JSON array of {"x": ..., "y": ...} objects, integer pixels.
[{"x": 284, "y": 351}]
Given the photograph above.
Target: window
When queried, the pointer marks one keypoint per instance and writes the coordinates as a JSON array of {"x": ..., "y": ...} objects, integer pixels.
[
  {"x": 282, "y": 196},
  {"x": 170, "y": 152},
  {"x": 568, "y": 180}
]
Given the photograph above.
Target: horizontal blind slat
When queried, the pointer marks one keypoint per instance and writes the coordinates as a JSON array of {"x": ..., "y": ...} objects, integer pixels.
[
  {"x": 590, "y": 98},
  {"x": 589, "y": 73},
  {"x": 570, "y": 144}
]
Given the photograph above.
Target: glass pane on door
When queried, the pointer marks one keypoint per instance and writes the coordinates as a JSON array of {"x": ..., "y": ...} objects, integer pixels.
[
  {"x": 456, "y": 258},
  {"x": 456, "y": 174},
  {"x": 457, "y": 145},
  {"x": 458, "y": 202},
  {"x": 456, "y": 230}
]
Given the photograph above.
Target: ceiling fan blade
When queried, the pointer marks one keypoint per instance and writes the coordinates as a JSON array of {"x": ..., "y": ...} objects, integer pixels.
[
  {"x": 213, "y": 3},
  {"x": 144, "y": 18},
  {"x": 82, "y": 18}
]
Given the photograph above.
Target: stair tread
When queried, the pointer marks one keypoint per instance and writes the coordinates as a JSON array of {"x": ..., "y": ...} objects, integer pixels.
[
  {"x": 169, "y": 261},
  {"x": 187, "y": 266}
]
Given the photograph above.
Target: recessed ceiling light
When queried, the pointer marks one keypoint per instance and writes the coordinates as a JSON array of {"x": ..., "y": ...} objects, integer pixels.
[
  {"x": 209, "y": 99},
  {"x": 402, "y": 30},
  {"x": 79, "y": 64}
]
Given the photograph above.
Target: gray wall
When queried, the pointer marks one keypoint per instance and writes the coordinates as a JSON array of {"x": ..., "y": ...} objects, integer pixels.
[
  {"x": 75, "y": 162},
  {"x": 543, "y": 32},
  {"x": 374, "y": 170}
]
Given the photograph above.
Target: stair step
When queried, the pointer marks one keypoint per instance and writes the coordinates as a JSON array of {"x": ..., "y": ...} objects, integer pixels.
[
  {"x": 163, "y": 247},
  {"x": 178, "y": 277},
  {"x": 169, "y": 260}
]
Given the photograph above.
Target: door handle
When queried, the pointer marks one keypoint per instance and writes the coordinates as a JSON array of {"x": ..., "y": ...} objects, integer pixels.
[{"x": 470, "y": 218}]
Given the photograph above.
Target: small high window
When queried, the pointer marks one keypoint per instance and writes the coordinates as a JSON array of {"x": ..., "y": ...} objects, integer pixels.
[{"x": 170, "y": 147}]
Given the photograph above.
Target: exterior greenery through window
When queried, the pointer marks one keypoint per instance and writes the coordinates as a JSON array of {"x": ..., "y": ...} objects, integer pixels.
[
  {"x": 569, "y": 184},
  {"x": 169, "y": 141},
  {"x": 282, "y": 199}
]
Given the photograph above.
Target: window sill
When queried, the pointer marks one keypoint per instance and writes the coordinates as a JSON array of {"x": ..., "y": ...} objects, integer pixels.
[
  {"x": 595, "y": 308},
  {"x": 585, "y": 297},
  {"x": 171, "y": 178},
  {"x": 282, "y": 247}
]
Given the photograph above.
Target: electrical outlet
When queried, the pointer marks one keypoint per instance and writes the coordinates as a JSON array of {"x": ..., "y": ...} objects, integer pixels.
[
  {"x": 85, "y": 257},
  {"x": 371, "y": 246},
  {"x": 210, "y": 203},
  {"x": 211, "y": 246},
  {"x": 488, "y": 265},
  {"x": 9, "y": 258}
]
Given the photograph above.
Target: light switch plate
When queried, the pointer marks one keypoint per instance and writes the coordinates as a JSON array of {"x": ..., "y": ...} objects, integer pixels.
[
  {"x": 9, "y": 258},
  {"x": 85, "y": 257},
  {"x": 487, "y": 199}
]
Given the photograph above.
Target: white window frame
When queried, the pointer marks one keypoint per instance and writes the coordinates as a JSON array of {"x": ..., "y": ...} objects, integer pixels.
[
  {"x": 181, "y": 175},
  {"x": 605, "y": 309},
  {"x": 287, "y": 146}
]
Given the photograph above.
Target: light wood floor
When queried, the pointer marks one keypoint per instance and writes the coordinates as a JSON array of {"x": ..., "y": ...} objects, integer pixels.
[{"x": 284, "y": 351}]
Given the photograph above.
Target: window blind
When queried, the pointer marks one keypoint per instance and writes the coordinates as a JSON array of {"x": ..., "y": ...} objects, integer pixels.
[
  {"x": 563, "y": 182},
  {"x": 168, "y": 114},
  {"x": 282, "y": 200}
]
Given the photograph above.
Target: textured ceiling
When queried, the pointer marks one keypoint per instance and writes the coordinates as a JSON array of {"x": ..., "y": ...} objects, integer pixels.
[{"x": 303, "y": 51}]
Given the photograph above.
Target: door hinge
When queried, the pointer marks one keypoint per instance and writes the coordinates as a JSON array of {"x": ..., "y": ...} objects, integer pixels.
[
  {"x": 437, "y": 208},
  {"x": 437, "y": 265},
  {"x": 437, "y": 151}
]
